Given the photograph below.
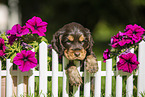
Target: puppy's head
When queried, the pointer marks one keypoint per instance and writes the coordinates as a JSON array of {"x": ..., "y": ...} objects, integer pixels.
[{"x": 74, "y": 41}]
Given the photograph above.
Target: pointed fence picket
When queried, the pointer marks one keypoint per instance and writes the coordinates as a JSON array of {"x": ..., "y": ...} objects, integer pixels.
[
  {"x": 97, "y": 92},
  {"x": 108, "y": 88},
  {"x": 54, "y": 74},
  {"x": 129, "y": 83},
  {"x": 43, "y": 74},
  {"x": 118, "y": 82},
  {"x": 86, "y": 83},
  {"x": 141, "y": 71},
  {"x": 65, "y": 79},
  {"x": 31, "y": 79},
  {"x": 8, "y": 79},
  {"x": 43, "y": 68}
]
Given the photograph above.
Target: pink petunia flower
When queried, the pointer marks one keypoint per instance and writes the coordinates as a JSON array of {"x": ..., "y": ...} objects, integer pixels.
[
  {"x": 120, "y": 40},
  {"x": 25, "y": 60},
  {"x": 18, "y": 31},
  {"x": 12, "y": 38},
  {"x": 2, "y": 47},
  {"x": 127, "y": 62},
  {"x": 115, "y": 39},
  {"x": 37, "y": 26},
  {"x": 135, "y": 32},
  {"x": 15, "y": 32},
  {"x": 106, "y": 55},
  {"x": 125, "y": 40}
]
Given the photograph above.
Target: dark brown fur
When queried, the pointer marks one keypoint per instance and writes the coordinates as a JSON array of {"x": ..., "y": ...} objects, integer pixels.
[{"x": 75, "y": 42}]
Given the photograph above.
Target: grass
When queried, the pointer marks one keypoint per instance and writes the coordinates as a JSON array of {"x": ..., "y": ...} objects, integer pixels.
[
  {"x": 142, "y": 94},
  {"x": 31, "y": 95}
]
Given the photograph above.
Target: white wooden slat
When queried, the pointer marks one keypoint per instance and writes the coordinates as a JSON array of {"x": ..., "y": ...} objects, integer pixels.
[
  {"x": 141, "y": 71},
  {"x": 0, "y": 77},
  {"x": 31, "y": 80},
  {"x": 43, "y": 69},
  {"x": 60, "y": 74},
  {"x": 54, "y": 74},
  {"x": 8, "y": 78},
  {"x": 65, "y": 92},
  {"x": 129, "y": 83},
  {"x": 118, "y": 82},
  {"x": 86, "y": 82},
  {"x": 108, "y": 87},
  {"x": 97, "y": 92},
  {"x": 20, "y": 83},
  {"x": 76, "y": 90}
]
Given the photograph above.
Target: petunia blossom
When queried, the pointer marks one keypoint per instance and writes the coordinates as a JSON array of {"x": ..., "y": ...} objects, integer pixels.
[
  {"x": 106, "y": 55},
  {"x": 2, "y": 47},
  {"x": 49, "y": 46},
  {"x": 127, "y": 62},
  {"x": 12, "y": 38},
  {"x": 135, "y": 32},
  {"x": 115, "y": 39},
  {"x": 125, "y": 40},
  {"x": 25, "y": 60},
  {"x": 37, "y": 26},
  {"x": 15, "y": 32},
  {"x": 120, "y": 40},
  {"x": 18, "y": 30}
]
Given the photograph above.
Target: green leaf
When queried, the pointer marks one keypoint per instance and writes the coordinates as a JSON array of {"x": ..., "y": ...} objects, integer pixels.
[
  {"x": 44, "y": 39},
  {"x": 12, "y": 57}
]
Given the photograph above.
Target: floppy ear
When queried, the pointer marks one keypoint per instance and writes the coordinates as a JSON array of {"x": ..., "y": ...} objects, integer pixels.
[
  {"x": 56, "y": 42},
  {"x": 90, "y": 42}
]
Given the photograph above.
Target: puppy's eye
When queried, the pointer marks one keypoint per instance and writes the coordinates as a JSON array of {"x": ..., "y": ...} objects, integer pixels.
[
  {"x": 82, "y": 41},
  {"x": 68, "y": 41}
]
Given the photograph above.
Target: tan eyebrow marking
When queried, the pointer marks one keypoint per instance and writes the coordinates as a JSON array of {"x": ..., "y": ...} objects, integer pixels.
[
  {"x": 71, "y": 38},
  {"x": 81, "y": 38}
]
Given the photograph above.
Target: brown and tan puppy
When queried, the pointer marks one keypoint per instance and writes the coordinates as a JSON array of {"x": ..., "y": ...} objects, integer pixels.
[{"x": 75, "y": 42}]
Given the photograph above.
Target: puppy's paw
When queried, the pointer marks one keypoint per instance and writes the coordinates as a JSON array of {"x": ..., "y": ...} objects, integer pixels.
[
  {"x": 91, "y": 64},
  {"x": 74, "y": 76}
]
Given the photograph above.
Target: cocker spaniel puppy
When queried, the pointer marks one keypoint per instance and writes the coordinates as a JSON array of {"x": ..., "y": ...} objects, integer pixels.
[{"x": 75, "y": 42}]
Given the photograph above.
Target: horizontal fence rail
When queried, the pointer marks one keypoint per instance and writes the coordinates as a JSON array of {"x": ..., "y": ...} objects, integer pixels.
[{"x": 15, "y": 82}]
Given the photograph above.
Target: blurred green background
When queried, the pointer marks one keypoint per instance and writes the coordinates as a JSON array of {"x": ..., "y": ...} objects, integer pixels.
[{"x": 104, "y": 18}]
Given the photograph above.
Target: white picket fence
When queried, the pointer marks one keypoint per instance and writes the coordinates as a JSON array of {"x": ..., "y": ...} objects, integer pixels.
[{"x": 43, "y": 74}]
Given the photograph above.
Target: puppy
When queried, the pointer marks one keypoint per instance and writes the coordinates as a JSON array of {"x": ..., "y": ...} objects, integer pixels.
[{"x": 75, "y": 43}]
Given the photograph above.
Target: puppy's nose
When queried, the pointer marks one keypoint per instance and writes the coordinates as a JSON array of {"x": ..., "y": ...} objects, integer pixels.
[{"x": 77, "y": 54}]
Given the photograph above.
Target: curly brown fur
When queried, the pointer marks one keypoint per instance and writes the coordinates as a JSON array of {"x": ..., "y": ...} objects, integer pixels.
[
  {"x": 75, "y": 43},
  {"x": 74, "y": 76},
  {"x": 91, "y": 64}
]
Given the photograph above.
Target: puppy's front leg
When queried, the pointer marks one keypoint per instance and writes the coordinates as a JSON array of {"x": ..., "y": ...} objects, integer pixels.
[
  {"x": 73, "y": 75},
  {"x": 91, "y": 64}
]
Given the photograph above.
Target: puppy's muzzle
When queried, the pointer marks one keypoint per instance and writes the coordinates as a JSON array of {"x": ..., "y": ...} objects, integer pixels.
[
  {"x": 77, "y": 54},
  {"x": 77, "y": 51}
]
